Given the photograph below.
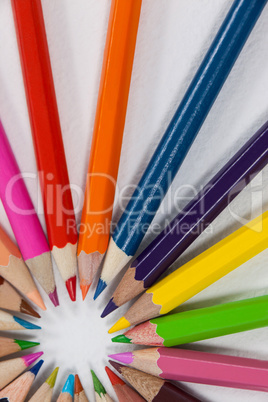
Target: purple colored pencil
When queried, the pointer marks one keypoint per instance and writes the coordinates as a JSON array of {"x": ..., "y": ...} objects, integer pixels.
[{"x": 192, "y": 221}]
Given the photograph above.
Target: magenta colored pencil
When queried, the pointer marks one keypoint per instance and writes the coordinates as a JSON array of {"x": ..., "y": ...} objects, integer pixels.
[
  {"x": 24, "y": 220},
  {"x": 199, "y": 367}
]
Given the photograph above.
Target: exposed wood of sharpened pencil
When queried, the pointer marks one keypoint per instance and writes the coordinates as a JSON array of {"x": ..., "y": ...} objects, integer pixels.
[{"x": 45, "y": 392}]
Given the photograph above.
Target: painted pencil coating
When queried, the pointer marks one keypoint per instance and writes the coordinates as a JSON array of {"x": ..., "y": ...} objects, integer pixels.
[
  {"x": 10, "y": 369},
  {"x": 23, "y": 218},
  {"x": 153, "y": 389},
  {"x": 18, "y": 390},
  {"x": 196, "y": 325},
  {"x": 107, "y": 137},
  {"x": 199, "y": 273},
  {"x": 180, "y": 135},
  {"x": 197, "y": 215},
  {"x": 202, "y": 368},
  {"x": 13, "y": 269},
  {"x": 47, "y": 137},
  {"x": 45, "y": 392}
]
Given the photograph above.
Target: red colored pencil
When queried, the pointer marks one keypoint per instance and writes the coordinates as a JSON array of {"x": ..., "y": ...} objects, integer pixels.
[
  {"x": 122, "y": 390},
  {"x": 47, "y": 137}
]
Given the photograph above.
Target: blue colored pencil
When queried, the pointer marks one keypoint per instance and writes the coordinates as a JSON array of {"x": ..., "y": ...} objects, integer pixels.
[
  {"x": 67, "y": 393},
  {"x": 179, "y": 136}
]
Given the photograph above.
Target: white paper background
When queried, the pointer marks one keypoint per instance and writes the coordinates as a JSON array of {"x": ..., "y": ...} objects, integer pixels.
[{"x": 172, "y": 40}]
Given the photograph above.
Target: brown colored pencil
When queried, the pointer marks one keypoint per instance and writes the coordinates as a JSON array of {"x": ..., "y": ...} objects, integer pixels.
[
  {"x": 15, "y": 271},
  {"x": 153, "y": 389},
  {"x": 11, "y": 300},
  {"x": 9, "y": 346},
  {"x": 79, "y": 393}
]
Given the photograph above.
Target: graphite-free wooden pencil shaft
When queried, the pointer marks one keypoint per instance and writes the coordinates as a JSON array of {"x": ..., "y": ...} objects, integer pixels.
[
  {"x": 199, "y": 367},
  {"x": 45, "y": 392},
  {"x": 199, "y": 273},
  {"x": 18, "y": 390},
  {"x": 14, "y": 270},
  {"x": 24, "y": 220},
  {"x": 11, "y": 300},
  {"x": 199, "y": 324},
  {"x": 179, "y": 136},
  {"x": 47, "y": 137},
  {"x": 153, "y": 389},
  {"x": 9, "y": 346},
  {"x": 107, "y": 137},
  {"x": 196, "y": 216}
]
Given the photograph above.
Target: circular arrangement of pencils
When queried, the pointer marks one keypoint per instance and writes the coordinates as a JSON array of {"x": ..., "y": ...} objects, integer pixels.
[{"x": 154, "y": 370}]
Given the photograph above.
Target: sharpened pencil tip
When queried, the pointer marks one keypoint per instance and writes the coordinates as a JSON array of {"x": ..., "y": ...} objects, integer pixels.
[
  {"x": 125, "y": 358},
  {"x": 121, "y": 339},
  {"x": 71, "y": 287},
  {"x": 116, "y": 366},
  {"x": 115, "y": 380},
  {"x": 35, "y": 369},
  {"x": 54, "y": 298},
  {"x": 52, "y": 378},
  {"x": 69, "y": 386},
  {"x": 26, "y": 344},
  {"x": 100, "y": 288},
  {"x": 84, "y": 290},
  {"x": 25, "y": 308},
  {"x": 25, "y": 324},
  {"x": 111, "y": 306},
  {"x": 35, "y": 297},
  {"x": 122, "y": 323}
]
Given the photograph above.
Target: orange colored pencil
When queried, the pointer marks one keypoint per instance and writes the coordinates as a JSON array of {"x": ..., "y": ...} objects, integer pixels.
[
  {"x": 14, "y": 270},
  {"x": 107, "y": 138}
]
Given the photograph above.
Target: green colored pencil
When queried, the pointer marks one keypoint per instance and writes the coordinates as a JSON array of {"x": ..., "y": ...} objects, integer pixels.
[
  {"x": 100, "y": 392},
  {"x": 199, "y": 324}
]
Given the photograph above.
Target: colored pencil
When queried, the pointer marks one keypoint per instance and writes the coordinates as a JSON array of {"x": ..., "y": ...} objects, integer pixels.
[
  {"x": 45, "y": 392},
  {"x": 18, "y": 390},
  {"x": 11, "y": 300},
  {"x": 67, "y": 393},
  {"x": 196, "y": 216},
  {"x": 197, "y": 325},
  {"x": 9, "y": 346},
  {"x": 10, "y": 369},
  {"x": 100, "y": 392},
  {"x": 123, "y": 391},
  {"x": 47, "y": 138},
  {"x": 199, "y": 273},
  {"x": 107, "y": 137},
  {"x": 11, "y": 322},
  {"x": 199, "y": 367},
  {"x": 23, "y": 219},
  {"x": 79, "y": 393},
  {"x": 153, "y": 389},
  {"x": 179, "y": 136},
  {"x": 13, "y": 269}
]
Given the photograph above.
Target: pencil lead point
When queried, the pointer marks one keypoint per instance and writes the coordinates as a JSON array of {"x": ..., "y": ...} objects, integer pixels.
[
  {"x": 111, "y": 306},
  {"x": 121, "y": 339},
  {"x": 25, "y": 324},
  {"x": 71, "y": 287},
  {"x": 125, "y": 358},
  {"x": 35, "y": 369},
  {"x": 122, "y": 323},
  {"x": 54, "y": 297},
  {"x": 84, "y": 290},
  {"x": 100, "y": 288}
]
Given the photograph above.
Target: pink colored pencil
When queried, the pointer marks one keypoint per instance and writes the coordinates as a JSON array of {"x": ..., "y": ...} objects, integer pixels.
[
  {"x": 24, "y": 220},
  {"x": 199, "y": 367}
]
